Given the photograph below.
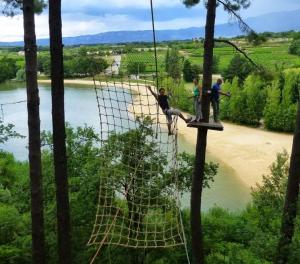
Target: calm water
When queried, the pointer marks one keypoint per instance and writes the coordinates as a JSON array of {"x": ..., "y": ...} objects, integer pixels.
[{"x": 81, "y": 108}]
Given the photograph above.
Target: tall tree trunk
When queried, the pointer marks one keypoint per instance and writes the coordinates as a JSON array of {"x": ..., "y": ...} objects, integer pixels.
[
  {"x": 291, "y": 199},
  {"x": 59, "y": 134},
  {"x": 33, "y": 102},
  {"x": 197, "y": 183}
]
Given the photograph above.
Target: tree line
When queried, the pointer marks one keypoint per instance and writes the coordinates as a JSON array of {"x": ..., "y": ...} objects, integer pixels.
[
  {"x": 258, "y": 102},
  {"x": 248, "y": 236}
]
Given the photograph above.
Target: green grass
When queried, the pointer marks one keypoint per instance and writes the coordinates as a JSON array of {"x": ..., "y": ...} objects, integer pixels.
[
  {"x": 269, "y": 55},
  {"x": 144, "y": 57}
]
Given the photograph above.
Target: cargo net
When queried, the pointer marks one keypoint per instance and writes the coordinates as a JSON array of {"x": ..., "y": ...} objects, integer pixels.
[{"x": 138, "y": 204}]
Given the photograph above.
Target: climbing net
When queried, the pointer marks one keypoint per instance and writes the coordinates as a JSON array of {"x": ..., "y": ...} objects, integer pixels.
[{"x": 138, "y": 203}]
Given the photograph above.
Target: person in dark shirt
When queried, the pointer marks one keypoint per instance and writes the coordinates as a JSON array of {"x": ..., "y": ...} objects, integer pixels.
[
  {"x": 216, "y": 91},
  {"x": 162, "y": 100}
]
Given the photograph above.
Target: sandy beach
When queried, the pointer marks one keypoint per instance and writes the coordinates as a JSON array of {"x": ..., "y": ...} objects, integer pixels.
[{"x": 248, "y": 151}]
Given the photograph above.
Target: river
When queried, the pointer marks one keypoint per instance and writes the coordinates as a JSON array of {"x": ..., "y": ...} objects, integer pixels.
[{"x": 227, "y": 191}]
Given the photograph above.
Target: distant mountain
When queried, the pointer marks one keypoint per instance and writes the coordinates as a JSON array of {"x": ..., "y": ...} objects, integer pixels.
[{"x": 273, "y": 22}]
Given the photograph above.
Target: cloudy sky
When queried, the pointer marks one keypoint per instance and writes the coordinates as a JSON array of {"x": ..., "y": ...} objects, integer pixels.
[{"x": 81, "y": 17}]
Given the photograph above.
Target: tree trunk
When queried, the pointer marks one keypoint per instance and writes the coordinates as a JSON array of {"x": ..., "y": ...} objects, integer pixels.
[
  {"x": 197, "y": 183},
  {"x": 38, "y": 238},
  {"x": 59, "y": 134},
  {"x": 291, "y": 199}
]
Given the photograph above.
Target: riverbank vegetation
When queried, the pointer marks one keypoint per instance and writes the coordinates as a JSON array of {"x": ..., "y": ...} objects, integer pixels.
[
  {"x": 248, "y": 236},
  {"x": 265, "y": 98}
]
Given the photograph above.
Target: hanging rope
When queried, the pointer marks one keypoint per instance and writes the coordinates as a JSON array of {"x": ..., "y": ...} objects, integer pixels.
[
  {"x": 10, "y": 103},
  {"x": 154, "y": 44},
  {"x": 155, "y": 58}
]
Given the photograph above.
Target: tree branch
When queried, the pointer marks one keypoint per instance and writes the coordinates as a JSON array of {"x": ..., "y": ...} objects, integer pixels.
[
  {"x": 241, "y": 51},
  {"x": 242, "y": 24}
]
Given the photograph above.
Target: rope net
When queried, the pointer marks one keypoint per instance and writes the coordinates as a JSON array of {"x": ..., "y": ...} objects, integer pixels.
[{"x": 138, "y": 203}]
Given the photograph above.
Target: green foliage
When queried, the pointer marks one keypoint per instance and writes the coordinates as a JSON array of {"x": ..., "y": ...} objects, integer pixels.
[
  {"x": 79, "y": 65},
  {"x": 83, "y": 173},
  {"x": 256, "y": 39},
  {"x": 83, "y": 66},
  {"x": 249, "y": 236},
  {"x": 257, "y": 100},
  {"x": 215, "y": 65},
  {"x": 185, "y": 171},
  {"x": 246, "y": 103},
  {"x": 294, "y": 48},
  {"x": 254, "y": 100},
  {"x": 173, "y": 63},
  {"x": 21, "y": 75},
  {"x": 10, "y": 222},
  {"x": 13, "y": 7},
  {"x": 7, "y": 132},
  {"x": 268, "y": 201},
  {"x": 182, "y": 99},
  {"x": 190, "y": 71},
  {"x": 44, "y": 64},
  {"x": 238, "y": 67},
  {"x": 14, "y": 231},
  {"x": 8, "y": 69},
  {"x": 270, "y": 194},
  {"x": 282, "y": 98},
  {"x": 135, "y": 67}
]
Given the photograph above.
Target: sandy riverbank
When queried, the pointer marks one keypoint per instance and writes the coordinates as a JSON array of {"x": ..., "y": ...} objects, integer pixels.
[{"x": 248, "y": 151}]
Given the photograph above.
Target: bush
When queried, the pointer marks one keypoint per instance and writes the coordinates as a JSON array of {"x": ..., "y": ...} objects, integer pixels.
[
  {"x": 282, "y": 97},
  {"x": 21, "y": 75},
  {"x": 215, "y": 66},
  {"x": 8, "y": 69},
  {"x": 238, "y": 67},
  {"x": 295, "y": 47},
  {"x": 136, "y": 67},
  {"x": 190, "y": 71},
  {"x": 246, "y": 104}
]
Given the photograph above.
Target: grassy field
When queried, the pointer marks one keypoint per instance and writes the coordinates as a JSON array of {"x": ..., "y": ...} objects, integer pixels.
[
  {"x": 144, "y": 57},
  {"x": 271, "y": 54},
  {"x": 268, "y": 55}
]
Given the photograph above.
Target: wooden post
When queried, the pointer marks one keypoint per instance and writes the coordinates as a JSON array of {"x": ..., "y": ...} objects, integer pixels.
[
  {"x": 59, "y": 134},
  {"x": 33, "y": 108},
  {"x": 291, "y": 199},
  {"x": 198, "y": 176}
]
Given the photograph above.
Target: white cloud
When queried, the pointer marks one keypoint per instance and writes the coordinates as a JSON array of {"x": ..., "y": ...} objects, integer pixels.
[
  {"x": 108, "y": 22},
  {"x": 259, "y": 7},
  {"x": 11, "y": 28},
  {"x": 72, "y": 4},
  {"x": 78, "y": 24}
]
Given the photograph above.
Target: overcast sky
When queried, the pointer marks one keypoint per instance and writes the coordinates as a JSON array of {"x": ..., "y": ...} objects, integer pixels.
[{"x": 81, "y": 17}]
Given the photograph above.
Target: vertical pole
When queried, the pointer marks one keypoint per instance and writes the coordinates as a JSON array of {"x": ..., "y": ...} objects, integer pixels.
[
  {"x": 59, "y": 134},
  {"x": 291, "y": 199},
  {"x": 198, "y": 176},
  {"x": 33, "y": 104}
]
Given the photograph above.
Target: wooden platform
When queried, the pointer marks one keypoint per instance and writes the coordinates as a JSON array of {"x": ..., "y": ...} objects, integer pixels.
[{"x": 211, "y": 125}]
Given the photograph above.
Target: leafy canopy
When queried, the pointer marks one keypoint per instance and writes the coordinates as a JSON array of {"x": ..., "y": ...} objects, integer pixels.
[
  {"x": 229, "y": 5},
  {"x": 13, "y": 7}
]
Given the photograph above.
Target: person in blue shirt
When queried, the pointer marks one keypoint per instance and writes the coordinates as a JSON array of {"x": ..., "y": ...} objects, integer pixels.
[
  {"x": 216, "y": 91},
  {"x": 162, "y": 100},
  {"x": 197, "y": 91}
]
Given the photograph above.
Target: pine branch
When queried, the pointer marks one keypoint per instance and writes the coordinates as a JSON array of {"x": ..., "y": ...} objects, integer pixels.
[
  {"x": 241, "y": 51},
  {"x": 242, "y": 24}
]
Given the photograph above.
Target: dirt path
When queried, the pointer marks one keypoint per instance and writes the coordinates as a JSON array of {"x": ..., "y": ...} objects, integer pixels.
[{"x": 248, "y": 151}]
